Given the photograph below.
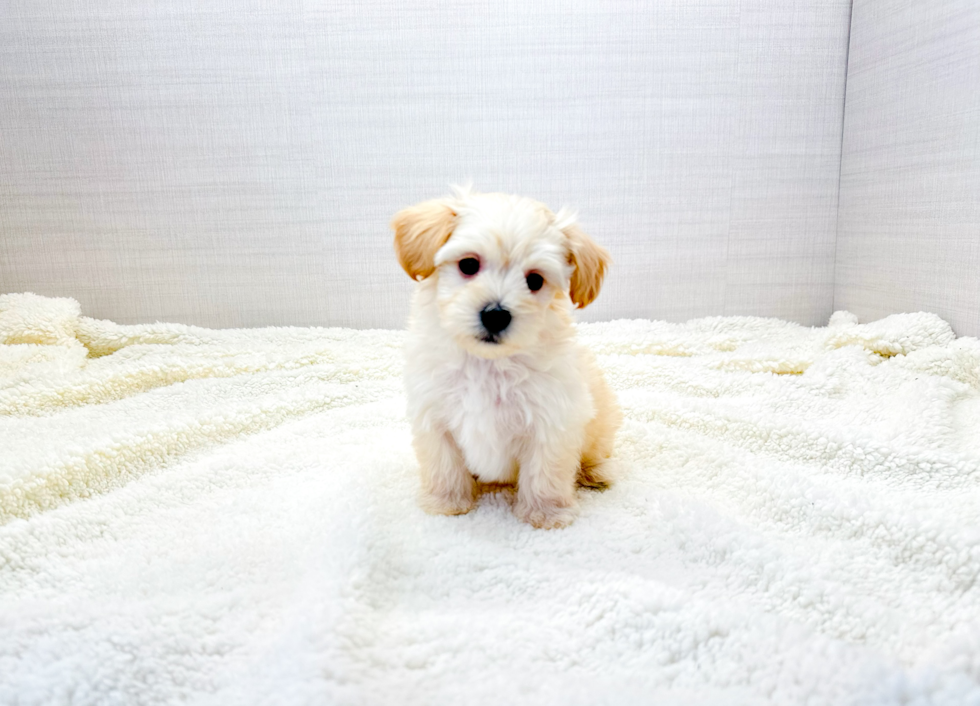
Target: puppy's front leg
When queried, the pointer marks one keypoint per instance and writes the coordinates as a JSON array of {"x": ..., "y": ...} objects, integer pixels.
[
  {"x": 447, "y": 487},
  {"x": 546, "y": 484}
]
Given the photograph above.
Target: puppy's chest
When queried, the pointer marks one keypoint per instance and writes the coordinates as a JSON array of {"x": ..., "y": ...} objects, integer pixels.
[
  {"x": 490, "y": 412},
  {"x": 493, "y": 400}
]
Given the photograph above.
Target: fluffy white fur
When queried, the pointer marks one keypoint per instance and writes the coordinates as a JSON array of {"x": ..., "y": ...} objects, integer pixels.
[
  {"x": 193, "y": 516},
  {"x": 525, "y": 405}
]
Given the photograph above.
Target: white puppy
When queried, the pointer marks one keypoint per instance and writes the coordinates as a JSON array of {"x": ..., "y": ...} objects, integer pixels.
[{"x": 498, "y": 389}]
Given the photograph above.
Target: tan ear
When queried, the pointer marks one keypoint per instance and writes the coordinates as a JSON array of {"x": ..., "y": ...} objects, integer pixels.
[
  {"x": 420, "y": 231},
  {"x": 590, "y": 261}
]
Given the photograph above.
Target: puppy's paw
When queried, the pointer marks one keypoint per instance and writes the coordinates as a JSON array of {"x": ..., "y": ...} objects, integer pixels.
[
  {"x": 544, "y": 515},
  {"x": 588, "y": 478},
  {"x": 597, "y": 475},
  {"x": 441, "y": 504}
]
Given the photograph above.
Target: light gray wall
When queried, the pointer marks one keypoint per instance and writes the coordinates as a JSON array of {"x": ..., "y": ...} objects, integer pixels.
[
  {"x": 909, "y": 228},
  {"x": 230, "y": 165}
]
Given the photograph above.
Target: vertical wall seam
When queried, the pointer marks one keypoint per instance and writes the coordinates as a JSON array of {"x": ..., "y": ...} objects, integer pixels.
[{"x": 840, "y": 155}]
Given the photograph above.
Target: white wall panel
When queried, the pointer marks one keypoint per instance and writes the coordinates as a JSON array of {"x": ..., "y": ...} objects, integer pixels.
[
  {"x": 909, "y": 229},
  {"x": 235, "y": 164}
]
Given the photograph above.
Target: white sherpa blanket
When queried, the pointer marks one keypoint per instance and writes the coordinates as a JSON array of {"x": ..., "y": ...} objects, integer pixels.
[{"x": 229, "y": 517}]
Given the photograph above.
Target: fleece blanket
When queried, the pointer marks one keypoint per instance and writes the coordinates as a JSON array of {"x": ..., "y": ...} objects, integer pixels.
[{"x": 193, "y": 516}]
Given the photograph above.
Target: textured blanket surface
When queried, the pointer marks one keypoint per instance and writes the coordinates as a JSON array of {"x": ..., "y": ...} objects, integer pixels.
[{"x": 229, "y": 517}]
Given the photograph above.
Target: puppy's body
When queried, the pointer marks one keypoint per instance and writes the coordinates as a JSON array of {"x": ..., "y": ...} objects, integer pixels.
[
  {"x": 522, "y": 404},
  {"x": 497, "y": 408}
]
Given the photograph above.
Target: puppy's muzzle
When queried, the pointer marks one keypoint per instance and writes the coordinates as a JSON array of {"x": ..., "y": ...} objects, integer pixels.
[{"x": 495, "y": 320}]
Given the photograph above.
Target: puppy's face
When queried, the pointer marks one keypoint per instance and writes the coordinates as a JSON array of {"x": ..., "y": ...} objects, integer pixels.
[{"x": 504, "y": 268}]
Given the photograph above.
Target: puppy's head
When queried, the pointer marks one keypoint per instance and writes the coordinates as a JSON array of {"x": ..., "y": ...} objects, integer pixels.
[{"x": 505, "y": 268}]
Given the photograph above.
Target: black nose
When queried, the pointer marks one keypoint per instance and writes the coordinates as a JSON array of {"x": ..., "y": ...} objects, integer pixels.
[{"x": 495, "y": 319}]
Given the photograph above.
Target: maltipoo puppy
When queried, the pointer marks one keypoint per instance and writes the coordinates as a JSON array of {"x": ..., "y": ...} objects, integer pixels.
[{"x": 499, "y": 391}]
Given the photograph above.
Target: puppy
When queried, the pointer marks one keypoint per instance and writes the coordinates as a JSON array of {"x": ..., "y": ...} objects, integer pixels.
[{"x": 499, "y": 391}]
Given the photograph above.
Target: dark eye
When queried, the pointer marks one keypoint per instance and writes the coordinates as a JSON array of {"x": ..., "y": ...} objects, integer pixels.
[
  {"x": 535, "y": 281},
  {"x": 469, "y": 266}
]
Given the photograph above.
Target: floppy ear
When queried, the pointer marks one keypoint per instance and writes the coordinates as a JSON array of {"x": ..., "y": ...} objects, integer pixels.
[
  {"x": 590, "y": 261},
  {"x": 420, "y": 231}
]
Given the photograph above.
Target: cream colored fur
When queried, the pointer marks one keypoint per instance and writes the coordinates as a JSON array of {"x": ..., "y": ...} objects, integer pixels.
[{"x": 530, "y": 407}]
